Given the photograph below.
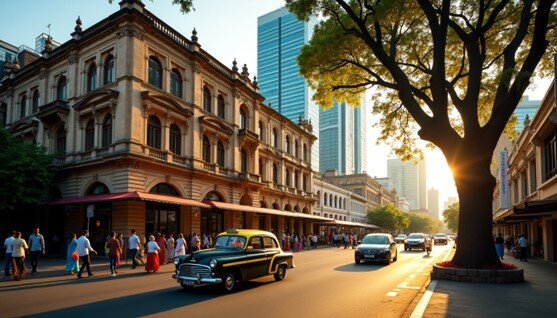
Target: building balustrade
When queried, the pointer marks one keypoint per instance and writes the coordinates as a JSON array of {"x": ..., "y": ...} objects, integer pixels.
[
  {"x": 101, "y": 152},
  {"x": 86, "y": 155},
  {"x": 156, "y": 153},
  {"x": 209, "y": 166},
  {"x": 185, "y": 161}
]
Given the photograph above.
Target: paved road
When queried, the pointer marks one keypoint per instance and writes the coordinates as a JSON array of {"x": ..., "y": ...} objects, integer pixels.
[{"x": 325, "y": 283}]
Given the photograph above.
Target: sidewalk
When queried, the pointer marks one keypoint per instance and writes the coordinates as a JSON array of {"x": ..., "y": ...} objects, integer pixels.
[{"x": 536, "y": 297}]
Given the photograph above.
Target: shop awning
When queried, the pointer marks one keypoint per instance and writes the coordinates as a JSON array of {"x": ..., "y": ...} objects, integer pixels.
[
  {"x": 536, "y": 206},
  {"x": 143, "y": 196},
  {"x": 246, "y": 208},
  {"x": 347, "y": 223}
]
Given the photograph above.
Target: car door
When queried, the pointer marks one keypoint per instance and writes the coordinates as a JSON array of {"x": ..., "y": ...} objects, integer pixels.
[
  {"x": 256, "y": 258},
  {"x": 272, "y": 250},
  {"x": 393, "y": 247}
]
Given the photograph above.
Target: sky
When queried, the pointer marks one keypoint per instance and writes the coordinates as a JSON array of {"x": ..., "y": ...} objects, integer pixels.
[{"x": 227, "y": 29}]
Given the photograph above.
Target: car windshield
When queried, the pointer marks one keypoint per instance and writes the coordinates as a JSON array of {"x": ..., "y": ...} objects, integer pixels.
[
  {"x": 401, "y": 235},
  {"x": 421, "y": 236},
  {"x": 376, "y": 239},
  {"x": 440, "y": 235},
  {"x": 230, "y": 241}
]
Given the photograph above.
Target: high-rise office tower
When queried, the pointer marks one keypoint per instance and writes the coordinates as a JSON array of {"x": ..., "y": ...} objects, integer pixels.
[
  {"x": 337, "y": 139},
  {"x": 433, "y": 203},
  {"x": 360, "y": 136},
  {"x": 280, "y": 36},
  {"x": 526, "y": 107},
  {"x": 409, "y": 180}
]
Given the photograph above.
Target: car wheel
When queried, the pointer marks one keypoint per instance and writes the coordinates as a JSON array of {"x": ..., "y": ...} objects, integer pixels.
[
  {"x": 230, "y": 281},
  {"x": 396, "y": 257},
  {"x": 388, "y": 260},
  {"x": 357, "y": 260},
  {"x": 281, "y": 272}
]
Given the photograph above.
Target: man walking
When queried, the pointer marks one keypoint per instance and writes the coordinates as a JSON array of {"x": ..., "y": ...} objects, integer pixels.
[
  {"x": 83, "y": 248},
  {"x": 523, "y": 243},
  {"x": 19, "y": 246},
  {"x": 36, "y": 248},
  {"x": 8, "y": 248},
  {"x": 133, "y": 243}
]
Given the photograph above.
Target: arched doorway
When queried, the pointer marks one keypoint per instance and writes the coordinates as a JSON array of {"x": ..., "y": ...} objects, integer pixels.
[
  {"x": 212, "y": 220},
  {"x": 242, "y": 217},
  {"x": 100, "y": 224},
  {"x": 162, "y": 217}
]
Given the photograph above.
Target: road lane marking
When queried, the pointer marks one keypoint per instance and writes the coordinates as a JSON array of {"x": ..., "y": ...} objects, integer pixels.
[
  {"x": 392, "y": 294},
  {"x": 405, "y": 285},
  {"x": 422, "y": 305}
]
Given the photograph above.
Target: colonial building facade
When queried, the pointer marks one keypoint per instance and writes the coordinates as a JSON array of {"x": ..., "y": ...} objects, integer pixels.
[
  {"x": 525, "y": 201},
  {"x": 152, "y": 133}
]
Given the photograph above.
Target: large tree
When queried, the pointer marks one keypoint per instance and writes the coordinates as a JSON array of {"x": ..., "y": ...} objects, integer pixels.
[
  {"x": 388, "y": 218},
  {"x": 450, "y": 216},
  {"x": 451, "y": 72}
]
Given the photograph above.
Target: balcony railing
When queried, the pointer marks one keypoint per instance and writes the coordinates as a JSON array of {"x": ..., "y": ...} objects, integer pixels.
[
  {"x": 250, "y": 176},
  {"x": 86, "y": 155},
  {"x": 182, "y": 160},
  {"x": 156, "y": 153},
  {"x": 60, "y": 104},
  {"x": 209, "y": 166},
  {"x": 101, "y": 152}
]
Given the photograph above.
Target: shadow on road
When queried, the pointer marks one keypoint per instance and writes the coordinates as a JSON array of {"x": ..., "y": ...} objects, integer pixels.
[{"x": 363, "y": 267}]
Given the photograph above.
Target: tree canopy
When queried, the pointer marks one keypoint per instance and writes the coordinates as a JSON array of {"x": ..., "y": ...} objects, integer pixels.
[
  {"x": 450, "y": 216},
  {"x": 24, "y": 174},
  {"x": 388, "y": 218}
]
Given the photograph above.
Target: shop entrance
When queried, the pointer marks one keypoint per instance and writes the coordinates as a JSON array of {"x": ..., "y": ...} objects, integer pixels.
[
  {"x": 212, "y": 221},
  {"x": 100, "y": 226},
  {"x": 161, "y": 218}
]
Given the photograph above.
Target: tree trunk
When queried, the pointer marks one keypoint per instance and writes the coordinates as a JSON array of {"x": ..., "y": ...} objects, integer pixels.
[{"x": 475, "y": 185}]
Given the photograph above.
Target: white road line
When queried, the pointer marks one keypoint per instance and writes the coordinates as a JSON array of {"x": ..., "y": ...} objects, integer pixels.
[
  {"x": 392, "y": 294},
  {"x": 422, "y": 305}
]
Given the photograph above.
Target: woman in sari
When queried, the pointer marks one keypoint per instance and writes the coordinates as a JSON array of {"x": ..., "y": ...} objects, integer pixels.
[
  {"x": 120, "y": 239},
  {"x": 170, "y": 247},
  {"x": 152, "y": 255},
  {"x": 181, "y": 246},
  {"x": 72, "y": 265},
  {"x": 161, "y": 241}
]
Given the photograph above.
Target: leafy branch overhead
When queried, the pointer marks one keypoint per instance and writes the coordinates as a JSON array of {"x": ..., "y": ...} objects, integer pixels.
[{"x": 459, "y": 67}]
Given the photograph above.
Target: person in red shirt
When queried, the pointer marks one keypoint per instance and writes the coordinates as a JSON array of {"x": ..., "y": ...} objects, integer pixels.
[{"x": 114, "y": 251}]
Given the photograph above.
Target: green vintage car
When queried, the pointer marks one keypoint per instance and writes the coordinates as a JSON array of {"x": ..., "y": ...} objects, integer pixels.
[{"x": 237, "y": 256}]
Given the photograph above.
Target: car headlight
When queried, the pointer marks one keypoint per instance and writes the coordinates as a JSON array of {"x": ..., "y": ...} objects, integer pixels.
[
  {"x": 176, "y": 261},
  {"x": 213, "y": 263}
]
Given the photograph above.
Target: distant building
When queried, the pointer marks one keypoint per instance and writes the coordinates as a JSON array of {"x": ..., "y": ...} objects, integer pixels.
[
  {"x": 526, "y": 107},
  {"x": 360, "y": 136},
  {"x": 403, "y": 205},
  {"x": 409, "y": 180},
  {"x": 337, "y": 139},
  {"x": 8, "y": 53},
  {"x": 433, "y": 203},
  {"x": 450, "y": 201},
  {"x": 385, "y": 182},
  {"x": 40, "y": 42}
]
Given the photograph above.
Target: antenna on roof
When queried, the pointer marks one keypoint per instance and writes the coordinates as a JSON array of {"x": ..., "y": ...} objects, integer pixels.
[{"x": 48, "y": 26}]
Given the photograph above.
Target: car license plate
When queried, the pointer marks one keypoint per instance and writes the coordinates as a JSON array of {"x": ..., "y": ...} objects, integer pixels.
[
  {"x": 188, "y": 282},
  {"x": 369, "y": 256}
]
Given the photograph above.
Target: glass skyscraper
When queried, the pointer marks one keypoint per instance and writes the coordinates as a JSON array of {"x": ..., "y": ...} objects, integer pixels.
[
  {"x": 280, "y": 37},
  {"x": 526, "y": 107}
]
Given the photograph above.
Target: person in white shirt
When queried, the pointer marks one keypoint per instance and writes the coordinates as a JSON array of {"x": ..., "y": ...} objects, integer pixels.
[
  {"x": 8, "y": 248},
  {"x": 152, "y": 255},
  {"x": 133, "y": 243},
  {"x": 19, "y": 246},
  {"x": 181, "y": 245},
  {"x": 523, "y": 243},
  {"x": 83, "y": 248}
]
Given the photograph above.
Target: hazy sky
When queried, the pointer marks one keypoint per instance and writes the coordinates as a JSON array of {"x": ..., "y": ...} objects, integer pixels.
[{"x": 227, "y": 29}]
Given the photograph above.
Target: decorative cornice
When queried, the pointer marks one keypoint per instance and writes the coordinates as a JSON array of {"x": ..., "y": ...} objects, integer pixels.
[
  {"x": 131, "y": 31},
  {"x": 73, "y": 57}
]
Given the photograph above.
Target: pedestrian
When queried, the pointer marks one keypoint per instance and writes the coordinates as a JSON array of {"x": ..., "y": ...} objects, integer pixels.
[
  {"x": 170, "y": 247},
  {"x": 499, "y": 245},
  {"x": 152, "y": 255},
  {"x": 206, "y": 241},
  {"x": 83, "y": 248},
  {"x": 195, "y": 243},
  {"x": 161, "y": 241},
  {"x": 181, "y": 246},
  {"x": 8, "y": 248},
  {"x": 114, "y": 251},
  {"x": 523, "y": 244},
  {"x": 346, "y": 240},
  {"x": 19, "y": 247},
  {"x": 314, "y": 240},
  {"x": 120, "y": 238},
  {"x": 36, "y": 248},
  {"x": 72, "y": 260},
  {"x": 133, "y": 243}
]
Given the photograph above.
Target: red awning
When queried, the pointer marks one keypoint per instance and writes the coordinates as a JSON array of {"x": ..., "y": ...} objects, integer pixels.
[{"x": 129, "y": 196}]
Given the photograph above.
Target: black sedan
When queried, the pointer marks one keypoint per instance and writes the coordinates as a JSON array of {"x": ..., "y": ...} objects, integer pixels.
[
  {"x": 441, "y": 238},
  {"x": 377, "y": 247}
]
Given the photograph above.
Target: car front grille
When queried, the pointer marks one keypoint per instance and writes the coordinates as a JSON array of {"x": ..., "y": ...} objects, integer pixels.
[{"x": 192, "y": 270}]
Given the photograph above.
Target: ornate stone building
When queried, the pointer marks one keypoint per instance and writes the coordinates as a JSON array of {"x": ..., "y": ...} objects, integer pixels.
[{"x": 151, "y": 132}]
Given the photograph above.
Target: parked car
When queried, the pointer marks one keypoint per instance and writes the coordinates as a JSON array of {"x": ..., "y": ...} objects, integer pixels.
[
  {"x": 401, "y": 238},
  {"x": 237, "y": 256},
  {"x": 415, "y": 240},
  {"x": 440, "y": 238},
  {"x": 376, "y": 247}
]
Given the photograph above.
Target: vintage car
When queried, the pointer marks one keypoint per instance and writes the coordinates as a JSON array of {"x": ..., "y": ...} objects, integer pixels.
[{"x": 237, "y": 256}]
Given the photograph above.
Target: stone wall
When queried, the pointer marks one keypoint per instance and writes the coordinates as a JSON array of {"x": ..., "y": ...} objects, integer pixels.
[{"x": 491, "y": 276}]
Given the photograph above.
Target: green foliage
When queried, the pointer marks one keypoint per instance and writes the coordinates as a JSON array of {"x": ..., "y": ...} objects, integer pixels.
[
  {"x": 388, "y": 218},
  {"x": 24, "y": 174},
  {"x": 450, "y": 216},
  {"x": 420, "y": 222},
  {"x": 186, "y": 6}
]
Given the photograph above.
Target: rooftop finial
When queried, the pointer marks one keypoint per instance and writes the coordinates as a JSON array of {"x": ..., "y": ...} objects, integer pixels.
[
  {"x": 194, "y": 36},
  {"x": 78, "y": 24},
  {"x": 245, "y": 71},
  {"x": 234, "y": 66},
  {"x": 527, "y": 121},
  {"x": 254, "y": 80}
]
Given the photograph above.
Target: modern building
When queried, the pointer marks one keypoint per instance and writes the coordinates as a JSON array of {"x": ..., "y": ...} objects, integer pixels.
[
  {"x": 363, "y": 185},
  {"x": 524, "y": 198},
  {"x": 409, "y": 180},
  {"x": 152, "y": 133},
  {"x": 403, "y": 205},
  {"x": 337, "y": 145},
  {"x": 40, "y": 42},
  {"x": 385, "y": 182},
  {"x": 8, "y": 53},
  {"x": 450, "y": 201},
  {"x": 433, "y": 203},
  {"x": 360, "y": 136},
  {"x": 526, "y": 108},
  {"x": 280, "y": 37}
]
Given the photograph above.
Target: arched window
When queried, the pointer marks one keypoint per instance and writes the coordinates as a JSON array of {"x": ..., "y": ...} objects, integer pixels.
[
  {"x": 35, "y": 102},
  {"x": 260, "y": 131},
  {"x": 296, "y": 150},
  {"x": 287, "y": 144},
  {"x": 242, "y": 119},
  {"x": 175, "y": 83},
  {"x": 61, "y": 89},
  {"x": 336, "y": 201},
  {"x": 175, "y": 139},
  {"x": 260, "y": 168},
  {"x": 109, "y": 74},
  {"x": 22, "y": 106},
  {"x": 206, "y": 149},
  {"x": 213, "y": 196},
  {"x": 287, "y": 177},
  {"x": 305, "y": 152},
  {"x": 91, "y": 77},
  {"x": 275, "y": 173},
  {"x": 107, "y": 131},
  {"x": 304, "y": 182},
  {"x": 220, "y": 153},
  {"x": 98, "y": 188},
  {"x": 325, "y": 199},
  {"x": 296, "y": 178},
  {"x": 220, "y": 106},
  {"x": 331, "y": 203},
  {"x": 61, "y": 141},
  {"x": 90, "y": 135},
  {"x": 155, "y": 72},
  {"x": 164, "y": 188},
  {"x": 344, "y": 203},
  {"x": 206, "y": 99},
  {"x": 243, "y": 160},
  {"x": 154, "y": 132},
  {"x": 274, "y": 138}
]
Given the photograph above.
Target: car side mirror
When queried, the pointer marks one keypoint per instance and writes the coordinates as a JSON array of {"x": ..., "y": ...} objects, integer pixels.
[
  {"x": 249, "y": 248},
  {"x": 359, "y": 242}
]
